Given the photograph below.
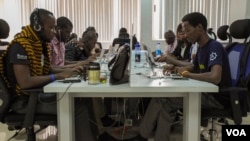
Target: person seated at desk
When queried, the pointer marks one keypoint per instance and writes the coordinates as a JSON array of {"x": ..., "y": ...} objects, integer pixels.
[
  {"x": 211, "y": 65},
  {"x": 62, "y": 33},
  {"x": 81, "y": 50},
  {"x": 4, "y": 32},
  {"x": 171, "y": 41},
  {"x": 183, "y": 54},
  {"x": 26, "y": 65},
  {"x": 182, "y": 50},
  {"x": 98, "y": 45},
  {"x": 123, "y": 37}
]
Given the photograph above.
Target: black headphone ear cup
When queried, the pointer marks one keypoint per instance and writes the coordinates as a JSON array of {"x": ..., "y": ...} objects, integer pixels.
[{"x": 37, "y": 27}]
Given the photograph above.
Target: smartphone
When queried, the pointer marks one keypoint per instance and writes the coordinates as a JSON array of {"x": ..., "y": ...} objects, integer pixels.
[{"x": 72, "y": 80}]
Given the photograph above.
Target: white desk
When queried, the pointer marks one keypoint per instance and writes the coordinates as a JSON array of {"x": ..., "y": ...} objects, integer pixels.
[
  {"x": 189, "y": 89},
  {"x": 3, "y": 47},
  {"x": 139, "y": 86}
]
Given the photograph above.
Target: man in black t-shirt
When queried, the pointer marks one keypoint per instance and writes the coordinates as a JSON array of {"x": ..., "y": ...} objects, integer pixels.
[
  {"x": 211, "y": 65},
  {"x": 26, "y": 65}
]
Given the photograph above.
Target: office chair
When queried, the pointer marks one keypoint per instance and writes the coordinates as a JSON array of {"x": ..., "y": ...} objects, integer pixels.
[
  {"x": 211, "y": 33},
  {"x": 223, "y": 34},
  {"x": 238, "y": 93},
  {"x": 27, "y": 121}
]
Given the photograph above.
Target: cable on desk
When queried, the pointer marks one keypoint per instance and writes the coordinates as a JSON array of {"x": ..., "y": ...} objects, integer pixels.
[{"x": 57, "y": 100}]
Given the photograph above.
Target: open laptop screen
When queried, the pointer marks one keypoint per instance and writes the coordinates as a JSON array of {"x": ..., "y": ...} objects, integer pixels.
[{"x": 149, "y": 56}]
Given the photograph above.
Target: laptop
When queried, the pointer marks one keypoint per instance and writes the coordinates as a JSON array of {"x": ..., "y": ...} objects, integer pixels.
[
  {"x": 153, "y": 65},
  {"x": 150, "y": 58},
  {"x": 101, "y": 57}
]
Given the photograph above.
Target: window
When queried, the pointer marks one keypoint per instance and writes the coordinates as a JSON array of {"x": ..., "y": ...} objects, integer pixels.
[
  {"x": 167, "y": 14},
  {"x": 107, "y": 16}
]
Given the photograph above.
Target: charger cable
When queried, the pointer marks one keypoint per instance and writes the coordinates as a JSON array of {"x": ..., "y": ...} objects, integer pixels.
[{"x": 57, "y": 100}]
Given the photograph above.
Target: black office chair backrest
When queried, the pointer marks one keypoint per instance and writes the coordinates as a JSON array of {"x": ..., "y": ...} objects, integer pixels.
[
  {"x": 223, "y": 34},
  {"x": 4, "y": 99},
  {"x": 240, "y": 29},
  {"x": 211, "y": 33},
  {"x": 239, "y": 59}
]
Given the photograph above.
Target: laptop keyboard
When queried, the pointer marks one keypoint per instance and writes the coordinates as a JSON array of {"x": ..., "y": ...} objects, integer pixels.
[{"x": 160, "y": 75}]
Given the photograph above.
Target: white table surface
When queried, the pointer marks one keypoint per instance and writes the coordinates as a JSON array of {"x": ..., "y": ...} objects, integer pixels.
[{"x": 139, "y": 86}]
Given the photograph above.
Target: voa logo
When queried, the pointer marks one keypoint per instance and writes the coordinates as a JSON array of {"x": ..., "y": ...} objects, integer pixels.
[{"x": 236, "y": 132}]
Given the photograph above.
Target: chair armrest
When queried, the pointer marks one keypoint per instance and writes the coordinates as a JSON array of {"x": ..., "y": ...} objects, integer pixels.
[
  {"x": 236, "y": 89},
  {"x": 35, "y": 90},
  {"x": 30, "y": 114}
]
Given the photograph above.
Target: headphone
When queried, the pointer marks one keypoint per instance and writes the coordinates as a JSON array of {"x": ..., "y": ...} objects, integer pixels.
[{"x": 37, "y": 26}]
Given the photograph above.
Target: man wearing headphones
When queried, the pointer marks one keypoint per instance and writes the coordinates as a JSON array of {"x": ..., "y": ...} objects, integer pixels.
[{"x": 26, "y": 64}]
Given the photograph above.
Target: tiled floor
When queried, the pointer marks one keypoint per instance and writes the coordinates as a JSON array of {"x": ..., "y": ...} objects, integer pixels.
[{"x": 50, "y": 133}]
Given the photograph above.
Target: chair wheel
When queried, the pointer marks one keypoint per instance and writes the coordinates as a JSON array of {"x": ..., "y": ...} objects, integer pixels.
[{"x": 202, "y": 138}]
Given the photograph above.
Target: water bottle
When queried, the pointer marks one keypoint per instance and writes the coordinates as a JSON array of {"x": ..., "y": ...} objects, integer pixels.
[
  {"x": 137, "y": 52},
  {"x": 158, "y": 50}
]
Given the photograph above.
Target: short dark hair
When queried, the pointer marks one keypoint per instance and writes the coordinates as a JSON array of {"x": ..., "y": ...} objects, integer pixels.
[
  {"x": 91, "y": 28},
  {"x": 41, "y": 14},
  {"x": 88, "y": 35},
  {"x": 123, "y": 30},
  {"x": 64, "y": 22},
  {"x": 4, "y": 29},
  {"x": 169, "y": 34},
  {"x": 196, "y": 18}
]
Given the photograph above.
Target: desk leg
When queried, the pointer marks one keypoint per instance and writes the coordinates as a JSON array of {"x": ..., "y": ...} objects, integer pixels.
[
  {"x": 192, "y": 107},
  {"x": 64, "y": 112}
]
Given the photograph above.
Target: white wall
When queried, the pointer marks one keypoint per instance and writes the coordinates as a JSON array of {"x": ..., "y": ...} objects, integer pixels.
[
  {"x": 238, "y": 9},
  {"x": 10, "y": 17},
  {"x": 248, "y": 9}
]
